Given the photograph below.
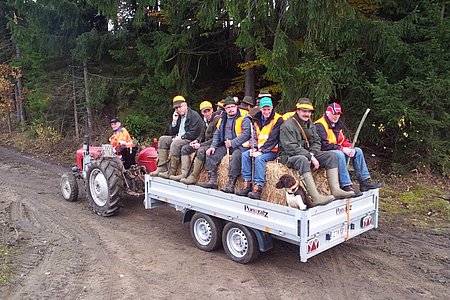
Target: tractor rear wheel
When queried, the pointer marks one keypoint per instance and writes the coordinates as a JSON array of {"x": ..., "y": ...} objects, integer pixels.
[
  {"x": 69, "y": 187},
  {"x": 104, "y": 185}
]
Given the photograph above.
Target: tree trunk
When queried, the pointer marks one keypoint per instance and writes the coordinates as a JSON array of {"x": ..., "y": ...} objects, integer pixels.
[
  {"x": 18, "y": 93},
  {"x": 75, "y": 112},
  {"x": 8, "y": 116},
  {"x": 86, "y": 91},
  {"x": 250, "y": 73}
]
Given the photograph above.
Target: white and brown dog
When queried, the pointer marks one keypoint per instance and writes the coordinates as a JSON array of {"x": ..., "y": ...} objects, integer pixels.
[{"x": 295, "y": 195}]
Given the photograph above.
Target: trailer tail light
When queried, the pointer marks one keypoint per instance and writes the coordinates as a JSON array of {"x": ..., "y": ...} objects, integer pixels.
[
  {"x": 366, "y": 221},
  {"x": 313, "y": 245}
]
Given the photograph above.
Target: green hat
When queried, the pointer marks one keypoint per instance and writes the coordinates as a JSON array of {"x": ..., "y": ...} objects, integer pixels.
[{"x": 228, "y": 100}]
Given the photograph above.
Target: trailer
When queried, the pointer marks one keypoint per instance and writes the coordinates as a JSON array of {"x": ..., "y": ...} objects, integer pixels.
[{"x": 246, "y": 227}]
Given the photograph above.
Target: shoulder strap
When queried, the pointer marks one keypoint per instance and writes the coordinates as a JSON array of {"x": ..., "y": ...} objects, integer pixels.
[{"x": 303, "y": 132}]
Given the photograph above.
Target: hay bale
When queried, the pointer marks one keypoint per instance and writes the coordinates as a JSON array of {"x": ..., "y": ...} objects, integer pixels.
[{"x": 274, "y": 171}]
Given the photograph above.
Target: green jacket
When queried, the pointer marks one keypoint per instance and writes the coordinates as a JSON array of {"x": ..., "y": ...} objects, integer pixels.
[{"x": 292, "y": 142}]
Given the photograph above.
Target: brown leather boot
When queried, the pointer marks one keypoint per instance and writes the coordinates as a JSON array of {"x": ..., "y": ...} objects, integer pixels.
[
  {"x": 246, "y": 189},
  {"x": 257, "y": 191}
]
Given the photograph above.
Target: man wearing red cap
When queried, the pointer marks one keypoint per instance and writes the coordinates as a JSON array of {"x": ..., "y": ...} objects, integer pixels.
[
  {"x": 300, "y": 150},
  {"x": 329, "y": 128}
]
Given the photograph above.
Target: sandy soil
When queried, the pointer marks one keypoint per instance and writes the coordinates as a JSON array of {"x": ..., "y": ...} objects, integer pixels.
[{"x": 64, "y": 251}]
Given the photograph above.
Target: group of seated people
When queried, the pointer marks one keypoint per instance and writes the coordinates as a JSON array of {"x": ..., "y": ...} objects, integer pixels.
[{"x": 252, "y": 134}]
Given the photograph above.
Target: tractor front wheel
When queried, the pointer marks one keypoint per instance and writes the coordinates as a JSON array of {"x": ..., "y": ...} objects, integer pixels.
[
  {"x": 69, "y": 187},
  {"x": 104, "y": 186}
]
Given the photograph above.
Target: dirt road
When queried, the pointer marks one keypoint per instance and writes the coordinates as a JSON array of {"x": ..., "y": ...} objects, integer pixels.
[{"x": 67, "y": 252}]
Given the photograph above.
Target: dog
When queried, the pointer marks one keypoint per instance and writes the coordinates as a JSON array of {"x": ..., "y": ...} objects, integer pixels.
[{"x": 295, "y": 194}]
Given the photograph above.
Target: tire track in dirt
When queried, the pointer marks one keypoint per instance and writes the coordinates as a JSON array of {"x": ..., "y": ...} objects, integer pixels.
[
  {"x": 51, "y": 235},
  {"x": 148, "y": 254}
]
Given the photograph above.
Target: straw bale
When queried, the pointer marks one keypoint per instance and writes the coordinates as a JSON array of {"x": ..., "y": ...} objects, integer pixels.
[{"x": 274, "y": 170}]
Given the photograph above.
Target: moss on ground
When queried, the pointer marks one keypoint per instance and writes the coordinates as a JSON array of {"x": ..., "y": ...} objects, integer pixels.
[
  {"x": 420, "y": 205},
  {"x": 5, "y": 265}
]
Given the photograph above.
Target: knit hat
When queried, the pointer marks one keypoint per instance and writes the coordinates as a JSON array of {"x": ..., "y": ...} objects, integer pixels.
[
  {"x": 265, "y": 101},
  {"x": 228, "y": 100},
  {"x": 205, "y": 105},
  {"x": 114, "y": 120},
  {"x": 304, "y": 104},
  {"x": 177, "y": 100},
  {"x": 334, "y": 108}
]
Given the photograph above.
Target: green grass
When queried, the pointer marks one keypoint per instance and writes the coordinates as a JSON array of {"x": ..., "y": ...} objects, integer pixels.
[
  {"x": 5, "y": 265},
  {"x": 420, "y": 205}
]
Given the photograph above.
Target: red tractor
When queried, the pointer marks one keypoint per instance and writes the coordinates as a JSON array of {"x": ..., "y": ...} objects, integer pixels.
[{"x": 108, "y": 175}]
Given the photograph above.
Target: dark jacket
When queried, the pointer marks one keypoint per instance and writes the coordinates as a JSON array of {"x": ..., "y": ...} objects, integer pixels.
[
  {"x": 237, "y": 141},
  {"x": 209, "y": 132},
  {"x": 274, "y": 135},
  {"x": 325, "y": 144},
  {"x": 193, "y": 126},
  {"x": 292, "y": 142}
]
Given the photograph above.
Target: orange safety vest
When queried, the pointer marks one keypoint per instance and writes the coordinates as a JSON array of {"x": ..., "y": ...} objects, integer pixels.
[
  {"x": 121, "y": 135},
  {"x": 263, "y": 134},
  {"x": 331, "y": 137},
  {"x": 237, "y": 126}
]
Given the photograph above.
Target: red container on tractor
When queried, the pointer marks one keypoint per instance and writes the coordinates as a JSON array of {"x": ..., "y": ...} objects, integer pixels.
[{"x": 147, "y": 157}]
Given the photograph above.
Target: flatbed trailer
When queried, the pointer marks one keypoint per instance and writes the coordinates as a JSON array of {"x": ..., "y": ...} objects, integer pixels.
[{"x": 245, "y": 227}]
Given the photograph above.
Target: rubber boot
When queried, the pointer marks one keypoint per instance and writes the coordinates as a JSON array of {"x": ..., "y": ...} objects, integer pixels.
[
  {"x": 192, "y": 178},
  {"x": 212, "y": 182},
  {"x": 229, "y": 188},
  {"x": 256, "y": 193},
  {"x": 185, "y": 164},
  {"x": 174, "y": 162},
  {"x": 317, "y": 199},
  {"x": 246, "y": 189},
  {"x": 162, "y": 162},
  {"x": 333, "y": 182}
]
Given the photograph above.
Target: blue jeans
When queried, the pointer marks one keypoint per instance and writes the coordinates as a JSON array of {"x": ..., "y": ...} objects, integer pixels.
[
  {"x": 260, "y": 166},
  {"x": 359, "y": 164}
]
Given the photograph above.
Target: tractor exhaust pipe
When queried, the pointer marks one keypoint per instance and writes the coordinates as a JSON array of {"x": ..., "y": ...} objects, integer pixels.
[{"x": 86, "y": 136}]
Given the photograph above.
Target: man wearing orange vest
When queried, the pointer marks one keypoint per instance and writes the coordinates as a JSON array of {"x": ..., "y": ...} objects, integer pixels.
[
  {"x": 233, "y": 130},
  {"x": 264, "y": 148},
  {"x": 300, "y": 150},
  {"x": 120, "y": 136},
  {"x": 329, "y": 128},
  {"x": 122, "y": 141}
]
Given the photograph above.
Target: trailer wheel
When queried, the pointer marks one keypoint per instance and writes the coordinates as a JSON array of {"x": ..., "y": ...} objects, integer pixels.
[
  {"x": 69, "y": 187},
  {"x": 206, "y": 232},
  {"x": 104, "y": 186},
  {"x": 240, "y": 243}
]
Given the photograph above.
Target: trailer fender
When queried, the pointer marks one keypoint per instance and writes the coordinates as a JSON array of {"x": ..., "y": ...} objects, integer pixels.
[
  {"x": 187, "y": 216},
  {"x": 265, "y": 240}
]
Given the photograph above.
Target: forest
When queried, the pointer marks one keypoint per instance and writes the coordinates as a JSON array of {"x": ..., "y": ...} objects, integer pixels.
[{"x": 66, "y": 61}]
